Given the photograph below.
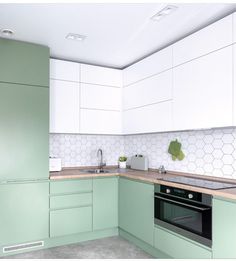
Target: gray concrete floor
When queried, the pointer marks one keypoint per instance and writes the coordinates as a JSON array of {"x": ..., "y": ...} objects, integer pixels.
[{"x": 110, "y": 247}]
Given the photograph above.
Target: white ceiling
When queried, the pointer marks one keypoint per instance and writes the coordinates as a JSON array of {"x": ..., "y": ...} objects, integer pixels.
[{"x": 117, "y": 34}]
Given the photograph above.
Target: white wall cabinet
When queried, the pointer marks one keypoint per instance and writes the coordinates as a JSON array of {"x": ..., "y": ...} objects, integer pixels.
[
  {"x": 101, "y": 75},
  {"x": 153, "y": 64},
  {"x": 202, "y": 92},
  {"x": 100, "y": 121},
  {"x": 64, "y": 70},
  {"x": 64, "y": 107},
  {"x": 154, "y": 89},
  {"x": 151, "y": 118},
  {"x": 100, "y": 97},
  {"x": 210, "y": 38}
]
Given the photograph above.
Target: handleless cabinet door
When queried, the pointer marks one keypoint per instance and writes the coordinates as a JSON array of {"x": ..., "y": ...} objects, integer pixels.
[
  {"x": 24, "y": 212},
  {"x": 204, "y": 41},
  {"x": 24, "y": 63},
  {"x": 203, "y": 91},
  {"x": 105, "y": 203},
  {"x": 24, "y": 117},
  {"x": 64, "y": 70},
  {"x": 100, "y": 75},
  {"x": 224, "y": 228},
  {"x": 64, "y": 107},
  {"x": 136, "y": 204}
]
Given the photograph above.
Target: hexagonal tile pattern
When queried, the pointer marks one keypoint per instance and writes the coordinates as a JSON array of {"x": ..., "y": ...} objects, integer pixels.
[{"x": 208, "y": 152}]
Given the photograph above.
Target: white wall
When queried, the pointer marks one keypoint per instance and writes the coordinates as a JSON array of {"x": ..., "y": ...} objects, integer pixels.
[{"x": 208, "y": 152}]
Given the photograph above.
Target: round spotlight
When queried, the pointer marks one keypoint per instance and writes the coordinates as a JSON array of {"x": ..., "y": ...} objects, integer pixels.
[{"x": 7, "y": 32}]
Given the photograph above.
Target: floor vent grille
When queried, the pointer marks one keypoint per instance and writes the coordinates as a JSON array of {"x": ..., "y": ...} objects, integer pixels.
[{"x": 14, "y": 248}]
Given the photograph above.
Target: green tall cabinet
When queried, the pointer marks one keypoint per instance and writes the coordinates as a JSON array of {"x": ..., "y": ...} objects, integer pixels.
[
  {"x": 136, "y": 209},
  {"x": 24, "y": 139}
]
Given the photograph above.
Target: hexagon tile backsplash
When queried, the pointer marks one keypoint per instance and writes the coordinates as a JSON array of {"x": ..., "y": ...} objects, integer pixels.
[{"x": 207, "y": 152}]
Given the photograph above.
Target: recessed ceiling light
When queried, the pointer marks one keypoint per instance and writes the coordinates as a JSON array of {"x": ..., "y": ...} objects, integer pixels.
[
  {"x": 7, "y": 32},
  {"x": 75, "y": 37},
  {"x": 165, "y": 11}
]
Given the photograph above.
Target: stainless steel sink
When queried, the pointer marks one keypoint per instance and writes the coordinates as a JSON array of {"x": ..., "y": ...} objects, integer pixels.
[{"x": 96, "y": 171}]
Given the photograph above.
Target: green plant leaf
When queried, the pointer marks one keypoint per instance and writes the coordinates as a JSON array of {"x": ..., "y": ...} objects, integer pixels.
[
  {"x": 174, "y": 148},
  {"x": 173, "y": 157},
  {"x": 181, "y": 155}
]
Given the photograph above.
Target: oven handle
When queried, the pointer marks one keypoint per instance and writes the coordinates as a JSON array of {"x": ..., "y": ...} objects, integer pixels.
[{"x": 183, "y": 204}]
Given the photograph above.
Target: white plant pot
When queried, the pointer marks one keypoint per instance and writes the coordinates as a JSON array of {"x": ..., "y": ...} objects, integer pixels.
[{"x": 122, "y": 164}]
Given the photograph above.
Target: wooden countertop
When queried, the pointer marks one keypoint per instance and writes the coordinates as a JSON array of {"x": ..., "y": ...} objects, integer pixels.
[{"x": 151, "y": 176}]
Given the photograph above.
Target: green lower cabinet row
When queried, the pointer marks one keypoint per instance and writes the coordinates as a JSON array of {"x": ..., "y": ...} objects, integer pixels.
[{"x": 60, "y": 212}]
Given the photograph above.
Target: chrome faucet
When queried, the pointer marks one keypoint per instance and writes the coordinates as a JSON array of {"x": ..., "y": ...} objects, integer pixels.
[
  {"x": 162, "y": 170},
  {"x": 101, "y": 163}
]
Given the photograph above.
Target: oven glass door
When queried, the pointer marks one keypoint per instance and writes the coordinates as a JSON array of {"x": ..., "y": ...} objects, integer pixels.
[{"x": 181, "y": 213}]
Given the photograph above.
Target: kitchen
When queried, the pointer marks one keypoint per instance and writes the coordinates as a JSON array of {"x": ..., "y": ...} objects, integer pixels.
[{"x": 114, "y": 139}]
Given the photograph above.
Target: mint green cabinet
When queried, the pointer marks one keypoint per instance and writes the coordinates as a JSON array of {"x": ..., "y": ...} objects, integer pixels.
[
  {"x": 24, "y": 63},
  {"x": 179, "y": 247},
  {"x": 105, "y": 203},
  {"x": 70, "y": 221},
  {"x": 24, "y": 212},
  {"x": 224, "y": 228},
  {"x": 24, "y": 131},
  {"x": 136, "y": 209}
]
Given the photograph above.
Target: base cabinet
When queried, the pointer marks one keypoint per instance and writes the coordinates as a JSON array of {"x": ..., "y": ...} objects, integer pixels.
[
  {"x": 24, "y": 212},
  {"x": 105, "y": 203},
  {"x": 136, "y": 215},
  {"x": 70, "y": 221},
  {"x": 224, "y": 228},
  {"x": 178, "y": 247}
]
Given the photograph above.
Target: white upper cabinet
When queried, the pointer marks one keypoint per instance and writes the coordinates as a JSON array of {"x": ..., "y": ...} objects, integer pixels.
[
  {"x": 203, "y": 91},
  {"x": 100, "y": 121},
  {"x": 64, "y": 107},
  {"x": 234, "y": 27},
  {"x": 234, "y": 89},
  {"x": 210, "y": 38},
  {"x": 100, "y": 97},
  {"x": 153, "y": 64},
  {"x": 101, "y": 75},
  {"x": 154, "y": 89},
  {"x": 151, "y": 118},
  {"x": 63, "y": 70}
]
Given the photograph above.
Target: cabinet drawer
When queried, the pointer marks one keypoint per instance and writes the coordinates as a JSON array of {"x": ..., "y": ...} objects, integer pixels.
[
  {"x": 68, "y": 201},
  {"x": 70, "y": 186},
  {"x": 70, "y": 221},
  {"x": 178, "y": 247}
]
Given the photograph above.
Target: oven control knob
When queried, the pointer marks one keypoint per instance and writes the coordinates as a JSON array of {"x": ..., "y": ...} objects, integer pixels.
[
  {"x": 168, "y": 191},
  {"x": 190, "y": 196}
]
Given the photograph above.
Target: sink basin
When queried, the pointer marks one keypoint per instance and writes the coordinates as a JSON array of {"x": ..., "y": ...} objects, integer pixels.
[{"x": 95, "y": 171}]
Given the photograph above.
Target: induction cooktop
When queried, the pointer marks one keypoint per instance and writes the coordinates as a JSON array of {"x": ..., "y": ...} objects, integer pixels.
[{"x": 202, "y": 183}]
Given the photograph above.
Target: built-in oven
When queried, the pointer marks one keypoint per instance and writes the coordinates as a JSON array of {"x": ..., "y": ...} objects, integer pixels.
[{"x": 185, "y": 212}]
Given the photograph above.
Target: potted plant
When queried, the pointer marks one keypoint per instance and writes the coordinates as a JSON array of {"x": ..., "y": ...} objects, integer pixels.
[{"x": 122, "y": 162}]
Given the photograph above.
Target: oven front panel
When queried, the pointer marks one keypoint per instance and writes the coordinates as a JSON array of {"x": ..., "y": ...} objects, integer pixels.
[{"x": 196, "y": 220}]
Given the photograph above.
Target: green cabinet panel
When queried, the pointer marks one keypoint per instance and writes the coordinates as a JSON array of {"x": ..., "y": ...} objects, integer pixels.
[
  {"x": 70, "y": 221},
  {"x": 24, "y": 212},
  {"x": 179, "y": 247},
  {"x": 24, "y": 132},
  {"x": 70, "y": 186},
  {"x": 105, "y": 203},
  {"x": 224, "y": 228},
  {"x": 68, "y": 201},
  {"x": 136, "y": 209},
  {"x": 24, "y": 63}
]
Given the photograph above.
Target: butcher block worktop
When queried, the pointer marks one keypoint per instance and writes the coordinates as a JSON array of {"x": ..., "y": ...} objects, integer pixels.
[{"x": 151, "y": 176}]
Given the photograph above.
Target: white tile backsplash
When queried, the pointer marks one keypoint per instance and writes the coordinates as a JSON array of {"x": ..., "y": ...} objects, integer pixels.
[{"x": 207, "y": 152}]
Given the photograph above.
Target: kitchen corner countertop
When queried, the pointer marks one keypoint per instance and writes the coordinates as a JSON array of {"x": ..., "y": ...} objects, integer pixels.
[{"x": 151, "y": 176}]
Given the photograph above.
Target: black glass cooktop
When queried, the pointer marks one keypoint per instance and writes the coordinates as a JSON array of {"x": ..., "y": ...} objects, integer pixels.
[{"x": 202, "y": 183}]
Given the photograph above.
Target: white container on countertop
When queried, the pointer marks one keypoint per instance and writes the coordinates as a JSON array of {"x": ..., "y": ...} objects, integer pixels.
[
  {"x": 54, "y": 164},
  {"x": 139, "y": 162}
]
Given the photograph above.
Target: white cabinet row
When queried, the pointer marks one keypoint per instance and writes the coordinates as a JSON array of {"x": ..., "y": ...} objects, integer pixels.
[{"x": 188, "y": 85}]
